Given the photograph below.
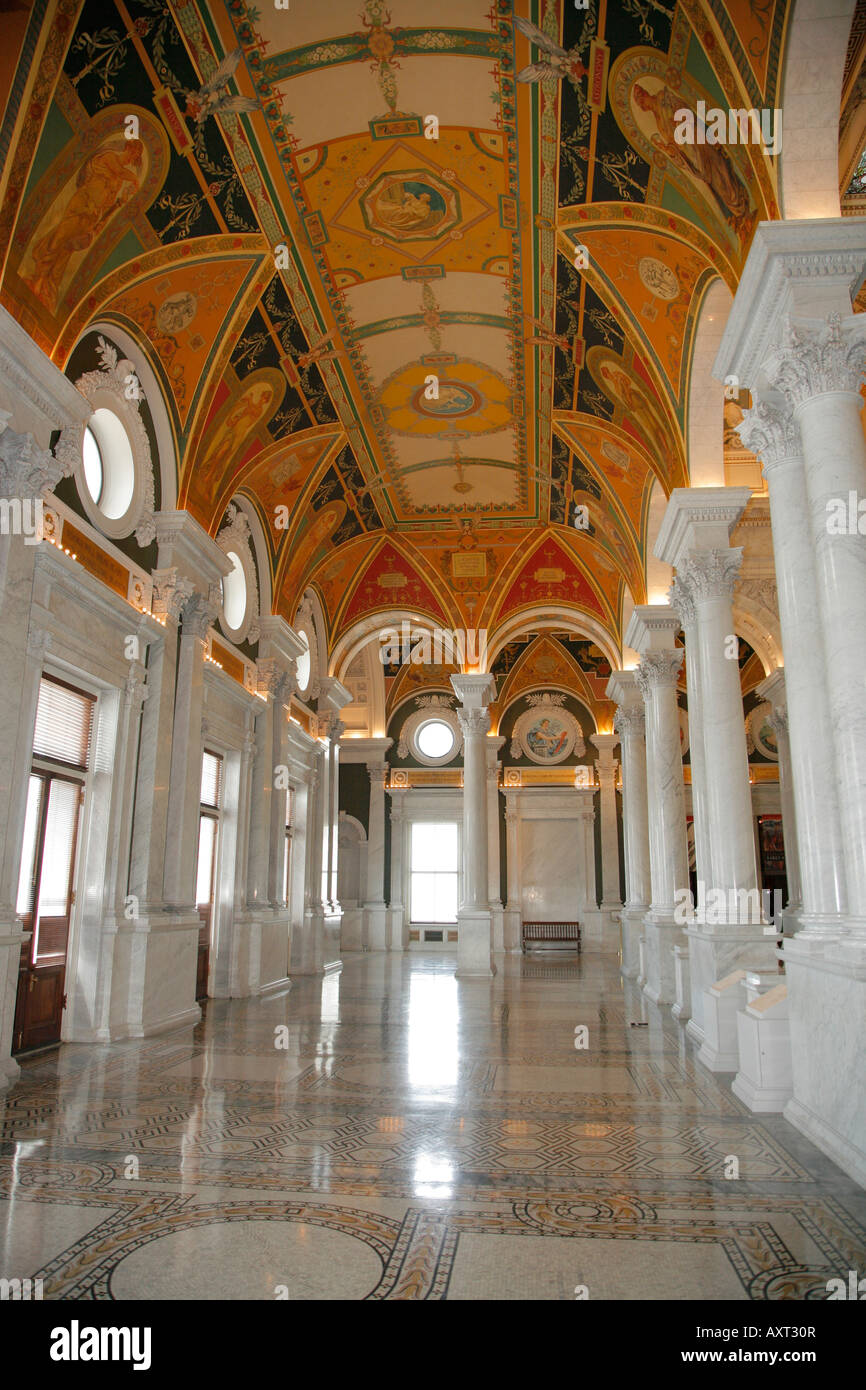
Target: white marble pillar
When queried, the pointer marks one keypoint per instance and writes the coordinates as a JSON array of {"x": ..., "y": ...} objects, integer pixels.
[
  {"x": 770, "y": 431},
  {"x": 729, "y": 929},
  {"x": 630, "y": 724},
  {"x": 184, "y": 791},
  {"x": 682, "y": 603},
  {"x": 374, "y": 905},
  {"x": 474, "y": 922},
  {"x": 514, "y": 908},
  {"x": 773, "y": 690},
  {"x": 589, "y": 914},
  {"x": 606, "y": 771},
  {"x": 494, "y": 888},
  {"x": 708, "y": 577},
  {"x": 308, "y": 945},
  {"x": 652, "y": 632},
  {"x": 398, "y": 910},
  {"x": 819, "y": 372}
]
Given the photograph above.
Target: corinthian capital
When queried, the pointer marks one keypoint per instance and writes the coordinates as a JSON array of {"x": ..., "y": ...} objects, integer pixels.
[
  {"x": 709, "y": 574},
  {"x": 771, "y": 432},
  {"x": 199, "y": 613},
  {"x": 629, "y": 722},
  {"x": 25, "y": 469},
  {"x": 170, "y": 593},
  {"x": 658, "y": 669},
  {"x": 681, "y": 601},
  {"x": 820, "y": 357},
  {"x": 274, "y": 678},
  {"x": 474, "y": 721}
]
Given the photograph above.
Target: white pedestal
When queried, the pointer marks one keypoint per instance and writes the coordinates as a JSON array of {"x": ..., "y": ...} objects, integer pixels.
[
  {"x": 682, "y": 1008},
  {"x": 764, "y": 1081},
  {"x": 720, "y": 1048},
  {"x": 631, "y": 927},
  {"x": 474, "y": 939},
  {"x": 660, "y": 936}
]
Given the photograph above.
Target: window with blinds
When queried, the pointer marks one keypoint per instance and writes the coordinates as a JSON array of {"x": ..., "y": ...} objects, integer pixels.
[
  {"x": 211, "y": 779},
  {"x": 64, "y": 724}
]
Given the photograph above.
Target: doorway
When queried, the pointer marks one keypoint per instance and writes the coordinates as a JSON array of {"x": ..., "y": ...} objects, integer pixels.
[
  {"x": 206, "y": 868},
  {"x": 46, "y": 883}
]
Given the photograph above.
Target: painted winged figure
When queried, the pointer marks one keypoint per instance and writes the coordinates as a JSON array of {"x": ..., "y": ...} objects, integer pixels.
[
  {"x": 212, "y": 99},
  {"x": 558, "y": 64}
]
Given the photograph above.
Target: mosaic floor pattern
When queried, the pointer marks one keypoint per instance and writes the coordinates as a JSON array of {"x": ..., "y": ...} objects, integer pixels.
[{"x": 391, "y": 1132}]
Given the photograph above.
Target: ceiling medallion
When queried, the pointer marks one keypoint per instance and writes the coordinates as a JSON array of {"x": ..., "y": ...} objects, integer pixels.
[
  {"x": 454, "y": 400},
  {"x": 410, "y": 205}
]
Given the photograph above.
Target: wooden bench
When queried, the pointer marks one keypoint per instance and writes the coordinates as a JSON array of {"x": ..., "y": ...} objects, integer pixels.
[{"x": 553, "y": 935}]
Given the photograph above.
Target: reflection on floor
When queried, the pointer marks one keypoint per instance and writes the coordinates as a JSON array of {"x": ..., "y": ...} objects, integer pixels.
[{"x": 392, "y": 1132}]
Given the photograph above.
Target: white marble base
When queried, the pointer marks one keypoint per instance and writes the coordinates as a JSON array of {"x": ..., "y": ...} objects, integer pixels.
[
  {"x": 474, "y": 942},
  {"x": 376, "y": 928},
  {"x": 722, "y": 1001},
  {"x": 764, "y": 1081},
  {"x": 660, "y": 936},
  {"x": 352, "y": 929},
  {"x": 398, "y": 929},
  {"x": 511, "y": 929},
  {"x": 631, "y": 926},
  {"x": 307, "y": 957},
  {"x": 682, "y": 1008},
  {"x": 714, "y": 954},
  {"x": 827, "y": 1011},
  {"x": 641, "y": 956},
  {"x": 154, "y": 975}
]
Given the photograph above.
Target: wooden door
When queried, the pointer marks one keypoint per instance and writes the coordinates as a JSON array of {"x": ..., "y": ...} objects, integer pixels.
[{"x": 51, "y": 838}]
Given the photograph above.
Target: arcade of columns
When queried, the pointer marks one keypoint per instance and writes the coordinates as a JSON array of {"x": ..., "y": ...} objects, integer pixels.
[{"x": 794, "y": 343}]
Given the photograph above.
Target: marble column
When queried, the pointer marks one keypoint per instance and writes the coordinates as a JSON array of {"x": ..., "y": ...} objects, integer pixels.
[
  {"x": 683, "y": 605},
  {"x": 374, "y": 904},
  {"x": 494, "y": 888},
  {"x": 770, "y": 431},
  {"x": 589, "y": 913},
  {"x": 819, "y": 372},
  {"x": 398, "y": 913},
  {"x": 606, "y": 770},
  {"x": 514, "y": 909},
  {"x": 773, "y": 690},
  {"x": 474, "y": 921},
  {"x": 730, "y": 930},
  {"x": 308, "y": 945},
  {"x": 652, "y": 632},
  {"x": 184, "y": 791},
  {"x": 630, "y": 724}
]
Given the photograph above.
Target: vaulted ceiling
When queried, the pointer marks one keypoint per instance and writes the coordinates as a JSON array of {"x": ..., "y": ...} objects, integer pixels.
[{"x": 407, "y": 287}]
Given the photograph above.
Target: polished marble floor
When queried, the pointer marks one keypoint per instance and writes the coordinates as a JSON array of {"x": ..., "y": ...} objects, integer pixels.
[{"x": 391, "y": 1132}]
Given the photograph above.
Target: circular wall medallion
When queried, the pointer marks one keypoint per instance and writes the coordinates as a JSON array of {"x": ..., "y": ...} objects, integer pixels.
[
  {"x": 547, "y": 734},
  {"x": 658, "y": 278},
  {"x": 177, "y": 312},
  {"x": 453, "y": 401},
  {"x": 763, "y": 734}
]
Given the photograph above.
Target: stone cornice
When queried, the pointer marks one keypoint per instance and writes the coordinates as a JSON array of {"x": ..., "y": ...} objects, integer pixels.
[
  {"x": 652, "y": 627},
  {"x": 622, "y": 688},
  {"x": 278, "y": 639},
  {"x": 474, "y": 690},
  {"x": 804, "y": 267},
  {"x": 185, "y": 545},
  {"x": 697, "y": 518},
  {"x": 333, "y": 696},
  {"x": 26, "y": 371}
]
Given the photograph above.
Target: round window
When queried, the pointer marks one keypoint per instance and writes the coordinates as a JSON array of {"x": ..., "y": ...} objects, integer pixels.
[
  {"x": 109, "y": 467},
  {"x": 234, "y": 593},
  {"x": 435, "y": 739},
  {"x": 303, "y": 663},
  {"x": 93, "y": 471}
]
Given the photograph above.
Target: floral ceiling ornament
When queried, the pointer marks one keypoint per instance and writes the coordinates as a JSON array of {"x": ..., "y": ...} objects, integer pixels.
[{"x": 380, "y": 42}]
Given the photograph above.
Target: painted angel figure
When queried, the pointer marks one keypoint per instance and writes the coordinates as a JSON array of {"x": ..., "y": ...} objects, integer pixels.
[
  {"x": 212, "y": 99},
  {"x": 558, "y": 63}
]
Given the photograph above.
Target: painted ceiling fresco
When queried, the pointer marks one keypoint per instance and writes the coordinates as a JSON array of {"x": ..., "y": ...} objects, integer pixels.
[{"x": 418, "y": 311}]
